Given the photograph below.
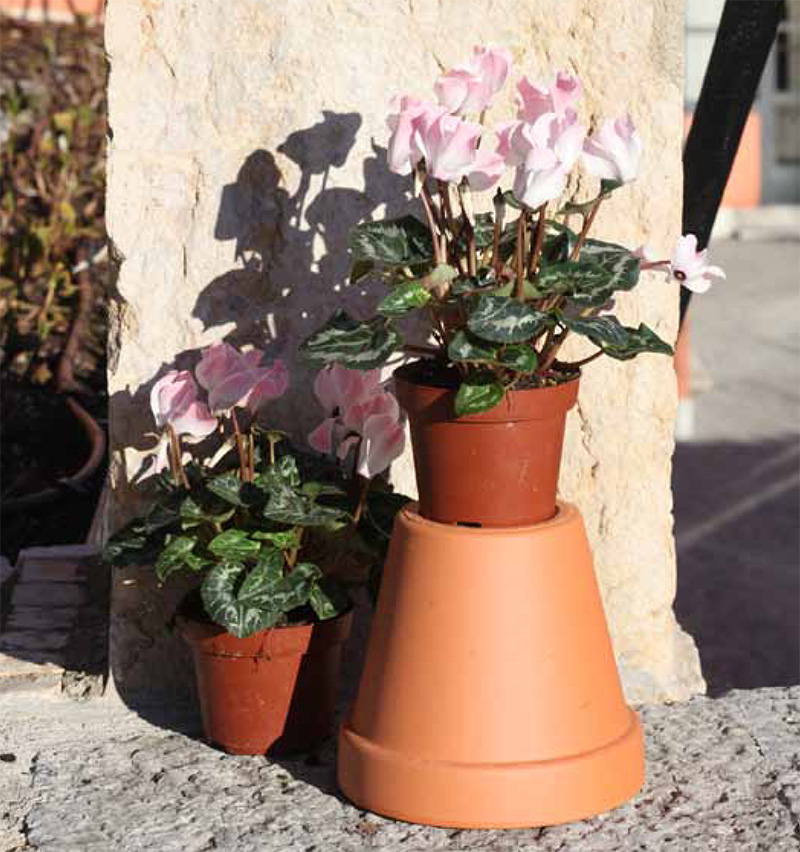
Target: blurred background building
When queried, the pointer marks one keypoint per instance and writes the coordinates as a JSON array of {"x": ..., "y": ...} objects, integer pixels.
[{"x": 767, "y": 167}]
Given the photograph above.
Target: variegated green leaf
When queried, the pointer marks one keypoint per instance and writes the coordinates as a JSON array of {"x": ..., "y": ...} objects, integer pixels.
[
  {"x": 398, "y": 242},
  {"x": 466, "y": 347},
  {"x": 328, "y": 598},
  {"x": 478, "y": 393},
  {"x": 616, "y": 340},
  {"x": 253, "y": 607},
  {"x": 520, "y": 357},
  {"x": 294, "y": 508},
  {"x": 353, "y": 344},
  {"x": 174, "y": 555},
  {"x": 505, "y": 320},
  {"x": 228, "y": 486},
  {"x": 403, "y": 298},
  {"x": 234, "y": 545}
]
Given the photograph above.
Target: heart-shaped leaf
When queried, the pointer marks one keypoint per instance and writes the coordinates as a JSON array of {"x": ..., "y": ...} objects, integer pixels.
[
  {"x": 392, "y": 242},
  {"x": 234, "y": 546},
  {"x": 617, "y": 340},
  {"x": 505, "y": 320},
  {"x": 174, "y": 555},
  {"x": 403, "y": 298},
  {"x": 353, "y": 344},
  {"x": 478, "y": 393},
  {"x": 466, "y": 347},
  {"x": 520, "y": 357}
]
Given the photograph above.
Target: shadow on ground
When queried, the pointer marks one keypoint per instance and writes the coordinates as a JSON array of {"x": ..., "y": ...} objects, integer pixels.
[{"x": 736, "y": 515}]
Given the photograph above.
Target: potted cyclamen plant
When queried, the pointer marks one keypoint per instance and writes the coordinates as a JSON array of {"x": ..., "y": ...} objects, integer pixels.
[
  {"x": 490, "y": 695},
  {"x": 274, "y": 536},
  {"x": 498, "y": 297}
]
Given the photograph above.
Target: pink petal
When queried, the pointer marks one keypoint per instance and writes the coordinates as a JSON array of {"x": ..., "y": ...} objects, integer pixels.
[
  {"x": 382, "y": 442},
  {"x": 216, "y": 363},
  {"x": 565, "y": 91},
  {"x": 196, "y": 421},
  {"x": 321, "y": 439},
  {"x": 171, "y": 395},
  {"x": 487, "y": 169},
  {"x": 535, "y": 100},
  {"x": 272, "y": 384}
]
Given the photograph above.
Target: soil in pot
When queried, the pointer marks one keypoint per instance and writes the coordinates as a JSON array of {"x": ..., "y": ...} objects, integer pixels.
[
  {"x": 270, "y": 693},
  {"x": 498, "y": 468}
]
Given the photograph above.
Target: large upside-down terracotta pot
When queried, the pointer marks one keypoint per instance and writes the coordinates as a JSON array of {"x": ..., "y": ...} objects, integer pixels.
[
  {"x": 272, "y": 692},
  {"x": 493, "y": 469},
  {"x": 490, "y": 695}
]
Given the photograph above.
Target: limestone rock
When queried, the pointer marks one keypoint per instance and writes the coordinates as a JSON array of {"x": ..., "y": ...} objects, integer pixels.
[{"x": 247, "y": 141}]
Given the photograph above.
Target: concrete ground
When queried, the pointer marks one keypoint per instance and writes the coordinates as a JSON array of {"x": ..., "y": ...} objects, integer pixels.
[
  {"x": 723, "y": 773},
  {"x": 737, "y": 484}
]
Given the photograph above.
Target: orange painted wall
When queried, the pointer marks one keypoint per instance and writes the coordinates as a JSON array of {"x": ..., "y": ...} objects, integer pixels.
[{"x": 744, "y": 184}]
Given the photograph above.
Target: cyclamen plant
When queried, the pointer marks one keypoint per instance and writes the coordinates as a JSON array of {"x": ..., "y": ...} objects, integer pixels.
[
  {"x": 500, "y": 296},
  {"x": 270, "y": 532}
]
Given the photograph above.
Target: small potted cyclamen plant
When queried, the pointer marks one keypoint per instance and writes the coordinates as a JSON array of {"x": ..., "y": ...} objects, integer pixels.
[
  {"x": 498, "y": 292},
  {"x": 275, "y": 536}
]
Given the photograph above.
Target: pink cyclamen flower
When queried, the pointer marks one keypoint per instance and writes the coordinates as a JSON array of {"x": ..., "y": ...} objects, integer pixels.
[
  {"x": 471, "y": 86},
  {"x": 174, "y": 402},
  {"x": 448, "y": 145},
  {"x": 543, "y": 153},
  {"x": 536, "y": 99},
  {"x": 338, "y": 390},
  {"x": 487, "y": 169},
  {"x": 360, "y": 414},
  {"x": 234, "y": 378},
  {"x": 405, "y": 114},
  {"x": 691, "y": 267},
  {"x": 614, "y": 152},
  {"x": 381, "y": 441}
]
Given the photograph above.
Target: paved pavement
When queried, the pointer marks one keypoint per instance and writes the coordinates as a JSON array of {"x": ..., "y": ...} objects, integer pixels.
[
  {"x": 723, "y": 775},
  {"x": 737, "y": 485}
]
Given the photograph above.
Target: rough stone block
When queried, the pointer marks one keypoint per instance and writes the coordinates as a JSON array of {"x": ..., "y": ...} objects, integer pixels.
[
  {"x": 233, "y": 185},
  {"x": 49, "y": 595}
]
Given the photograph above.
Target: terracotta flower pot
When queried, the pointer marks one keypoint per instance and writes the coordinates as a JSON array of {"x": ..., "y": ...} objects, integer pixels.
[
  {"x": 494, "y": 469},
  {"x": 271, "y": 692},
  {"x": 490, "y": 695}
]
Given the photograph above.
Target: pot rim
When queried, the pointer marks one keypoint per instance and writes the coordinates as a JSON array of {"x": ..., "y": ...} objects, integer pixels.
[
  {"x": 278, "y": 641},
  {"x": 525, "y": 404},
  {"x": 565, "y": 513}
]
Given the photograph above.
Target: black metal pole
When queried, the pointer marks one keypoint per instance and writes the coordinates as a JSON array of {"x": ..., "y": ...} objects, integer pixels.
[{"x": 744, "y": 38}]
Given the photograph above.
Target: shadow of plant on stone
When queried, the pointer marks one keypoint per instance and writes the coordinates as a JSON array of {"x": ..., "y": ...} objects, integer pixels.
[
  {"x": 736, "y": 509},
  {"x": 291, "y": 247}
]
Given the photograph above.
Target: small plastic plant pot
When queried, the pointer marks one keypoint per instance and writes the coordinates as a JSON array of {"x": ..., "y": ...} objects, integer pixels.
[
  {"x": 498, "y": 468},
  {"x": 490, "y": 697},
  {"x": 270, "y": 693}
]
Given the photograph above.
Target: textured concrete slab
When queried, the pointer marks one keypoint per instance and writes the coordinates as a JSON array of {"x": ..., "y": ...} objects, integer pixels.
[
  {"x": 54, "y": 617},
  {"x": 723, "y": 774},
  {"x": 737, "y": 483}
]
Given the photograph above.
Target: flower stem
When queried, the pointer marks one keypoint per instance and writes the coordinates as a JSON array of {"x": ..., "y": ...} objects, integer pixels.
[
  {"x": 574, "y": 365},
  {"x": 520, "y": 288},
  {"x": 538, "y": 242},
  {"x": 175, "y": 457},
  {"x": 587, "y": 223},
  {"x": 362, "y": 499},
  {"x": 240, "y": 448},
  {"x": 427, "y": 203}
]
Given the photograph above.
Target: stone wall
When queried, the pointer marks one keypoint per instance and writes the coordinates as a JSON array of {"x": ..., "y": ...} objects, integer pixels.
[{"x": 248, "y": 139}]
